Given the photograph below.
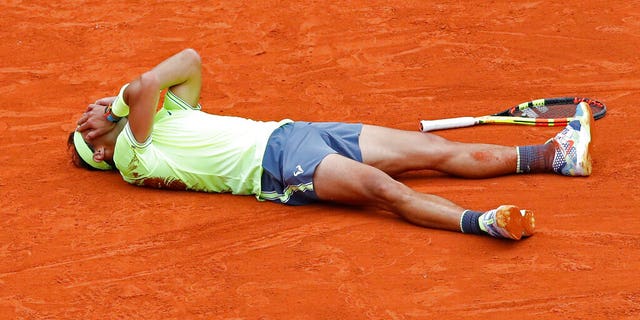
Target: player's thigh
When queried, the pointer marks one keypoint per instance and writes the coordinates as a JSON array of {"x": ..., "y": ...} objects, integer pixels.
[
  {"x": 340, "y": 179},
  {"x": 396, "y": 151}
]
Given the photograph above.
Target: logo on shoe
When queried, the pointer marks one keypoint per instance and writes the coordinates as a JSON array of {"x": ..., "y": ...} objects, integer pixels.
[
  {"x": 569, "y": 145},
  {"x": 565, "y": 149}
]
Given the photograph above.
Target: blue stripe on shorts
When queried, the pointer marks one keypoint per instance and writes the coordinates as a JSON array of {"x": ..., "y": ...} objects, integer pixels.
[{"x": 294, "y": 151}]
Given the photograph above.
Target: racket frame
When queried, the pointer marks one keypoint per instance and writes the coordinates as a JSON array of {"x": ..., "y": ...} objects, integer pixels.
[{"x": 506, "y": 116}]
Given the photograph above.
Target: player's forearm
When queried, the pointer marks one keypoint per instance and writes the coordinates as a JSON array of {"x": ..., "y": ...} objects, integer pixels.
[
  {"x": 142, "y": 96},
  {"x": 181, "y": 72},
  {"x": 138, "y": 100}
]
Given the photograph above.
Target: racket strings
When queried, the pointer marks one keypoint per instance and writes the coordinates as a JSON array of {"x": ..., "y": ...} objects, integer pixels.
[{"x": 547, "y": 112}]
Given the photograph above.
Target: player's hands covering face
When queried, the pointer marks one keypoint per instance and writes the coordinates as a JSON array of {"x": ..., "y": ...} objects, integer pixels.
[{"x": 93, "y": 122}]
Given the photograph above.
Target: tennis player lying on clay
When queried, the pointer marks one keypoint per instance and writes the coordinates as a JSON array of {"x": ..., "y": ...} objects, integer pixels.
[{"x": 297, "y": 163}]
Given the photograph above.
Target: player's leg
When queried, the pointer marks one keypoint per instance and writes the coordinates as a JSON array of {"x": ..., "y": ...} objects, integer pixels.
[
  {"x": 339, "y": 179},
  {"x": 395, "y": 151}
]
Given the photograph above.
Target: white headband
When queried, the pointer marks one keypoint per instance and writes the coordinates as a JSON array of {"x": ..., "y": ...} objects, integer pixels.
[{"x": 86, "y": 154}]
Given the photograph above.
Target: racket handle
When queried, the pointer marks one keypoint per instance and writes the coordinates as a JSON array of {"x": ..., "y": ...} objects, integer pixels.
[{"x": 431, "y": 125}]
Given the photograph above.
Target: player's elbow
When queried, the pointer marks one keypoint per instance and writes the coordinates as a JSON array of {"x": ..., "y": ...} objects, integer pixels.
[{"x": 149, "y": 81}]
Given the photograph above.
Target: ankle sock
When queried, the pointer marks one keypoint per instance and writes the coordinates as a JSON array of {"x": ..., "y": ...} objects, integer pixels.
[
  {"x": 534, "y": 158},
  {"x": 470, "y": 222}
]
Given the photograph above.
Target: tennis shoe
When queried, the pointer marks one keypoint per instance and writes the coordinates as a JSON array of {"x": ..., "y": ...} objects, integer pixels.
[
  {"x": 572, "y": 157},
  {"x": 504, "y": 222}
]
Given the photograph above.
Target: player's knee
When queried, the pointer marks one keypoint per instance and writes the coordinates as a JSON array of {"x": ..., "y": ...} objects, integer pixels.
[
  {"x": 386, "y": 191},
  {"x": 441, "y": 151}
]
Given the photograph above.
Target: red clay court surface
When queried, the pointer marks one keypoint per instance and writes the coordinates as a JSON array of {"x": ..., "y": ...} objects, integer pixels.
[{"x": 82, "y": 245}]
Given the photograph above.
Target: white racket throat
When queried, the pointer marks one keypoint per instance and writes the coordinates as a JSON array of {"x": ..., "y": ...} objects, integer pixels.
[{"x": 432, "y": 125}]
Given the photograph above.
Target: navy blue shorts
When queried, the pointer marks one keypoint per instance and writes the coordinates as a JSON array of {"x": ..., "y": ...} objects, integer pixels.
[{"x": 295, "y": 150}]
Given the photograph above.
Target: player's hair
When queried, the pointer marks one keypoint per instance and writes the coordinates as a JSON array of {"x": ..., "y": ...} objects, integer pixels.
[{"x": 75, "y": 155}]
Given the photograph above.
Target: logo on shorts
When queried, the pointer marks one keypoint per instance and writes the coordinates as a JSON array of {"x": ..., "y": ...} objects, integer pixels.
[{"x": 298, "y": 171}]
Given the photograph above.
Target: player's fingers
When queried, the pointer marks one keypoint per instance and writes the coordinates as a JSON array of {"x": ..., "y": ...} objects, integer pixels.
[
  {"x": 86, "y": 125},
  {"x": 94, "y": 133},
  {"x": 90, "y": 108},
  {"x": 83, "y": 119},
  {"x": 105, "y": 101},
  {"x": 90, "y": 135},
  {"x": 81, "y": 127}
]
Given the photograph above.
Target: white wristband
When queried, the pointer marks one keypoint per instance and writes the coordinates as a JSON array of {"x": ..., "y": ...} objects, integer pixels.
[{"x": 119, "y": 107}]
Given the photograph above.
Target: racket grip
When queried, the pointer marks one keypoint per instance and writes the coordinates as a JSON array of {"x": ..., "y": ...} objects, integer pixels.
[{"x": 431, "y": 125}]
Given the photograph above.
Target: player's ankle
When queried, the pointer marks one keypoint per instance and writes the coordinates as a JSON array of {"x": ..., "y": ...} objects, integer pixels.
[
  {"x": 470, "y": 222},
  {"x": 536, "y": 158}
]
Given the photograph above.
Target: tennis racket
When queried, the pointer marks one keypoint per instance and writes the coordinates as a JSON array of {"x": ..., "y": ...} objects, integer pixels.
[{"x": 542, "y": 112}]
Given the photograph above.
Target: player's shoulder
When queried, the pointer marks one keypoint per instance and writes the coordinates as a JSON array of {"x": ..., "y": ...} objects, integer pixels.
[{"x": 127, "y": 141}]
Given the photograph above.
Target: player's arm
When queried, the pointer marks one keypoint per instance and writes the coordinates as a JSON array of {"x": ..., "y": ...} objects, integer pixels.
[
  {"x": 181, "y": 73},
  {"x": 139, "y": 99}
]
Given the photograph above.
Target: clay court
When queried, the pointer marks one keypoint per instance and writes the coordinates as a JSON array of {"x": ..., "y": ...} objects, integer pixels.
[{"x": 76, "y": 244}]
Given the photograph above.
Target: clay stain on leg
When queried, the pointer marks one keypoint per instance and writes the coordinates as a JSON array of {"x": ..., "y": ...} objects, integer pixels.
[{"x": 483, "y": 156}]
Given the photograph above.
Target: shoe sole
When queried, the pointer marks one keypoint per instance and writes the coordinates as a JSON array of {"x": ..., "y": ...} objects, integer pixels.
[
  {"x": 510, "y": 219},
  {"x": 585, "y": 135},
  {"x": 528, "y": 223}
]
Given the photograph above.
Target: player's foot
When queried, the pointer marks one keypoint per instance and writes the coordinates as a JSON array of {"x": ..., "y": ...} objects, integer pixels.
[
  {"x": 572, "y": 157},
  {"x": 528, "y": 223},
  {"x": 504, "y": 222}
]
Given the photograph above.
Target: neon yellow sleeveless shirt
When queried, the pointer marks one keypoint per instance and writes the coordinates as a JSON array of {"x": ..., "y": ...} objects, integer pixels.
[{"x": 192, "y": 150}]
